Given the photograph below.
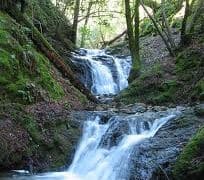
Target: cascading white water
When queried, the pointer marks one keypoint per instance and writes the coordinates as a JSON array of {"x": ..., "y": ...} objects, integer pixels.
[
  {"x": 103, "y": 81},
  {"x": 97, "y": 157},
  {"x": 93, "y": 161}
]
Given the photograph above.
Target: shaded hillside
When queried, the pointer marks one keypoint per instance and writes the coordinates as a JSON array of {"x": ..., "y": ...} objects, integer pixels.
[
  {"x": 42, "y": 135},
  {"x": 170, "y": 80},
  {"x": 26, "y": 74}
]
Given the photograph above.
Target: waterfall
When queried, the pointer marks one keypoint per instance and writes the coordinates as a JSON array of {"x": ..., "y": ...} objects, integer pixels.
[
  {"x": 105, "y": 148},
  {"x": 103, "y": 82},
  {"x": 100, "y": 156},
  {"x": 108, "y": 74}
]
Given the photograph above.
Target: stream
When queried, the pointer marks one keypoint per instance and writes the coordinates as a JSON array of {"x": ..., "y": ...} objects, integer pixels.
[{"x": 106, "y": 147}]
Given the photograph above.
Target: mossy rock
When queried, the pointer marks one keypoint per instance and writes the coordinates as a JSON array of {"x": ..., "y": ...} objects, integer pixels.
[
  {"x": 199, "y": 110},
  {"x": 190, "y": 164},
  {"x": 189, "y": 60}
]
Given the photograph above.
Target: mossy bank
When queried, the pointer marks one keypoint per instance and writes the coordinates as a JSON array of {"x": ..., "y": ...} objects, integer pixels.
[
  {"x": 40, "y": 139},
  {"x": 190, "y": 164},
  {"x": 36, "y": 131},
  {"x": 171, "y": 81}
]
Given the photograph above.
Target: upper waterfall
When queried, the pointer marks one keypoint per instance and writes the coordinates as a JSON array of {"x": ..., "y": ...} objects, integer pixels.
[{"x": 103, "y": 74}]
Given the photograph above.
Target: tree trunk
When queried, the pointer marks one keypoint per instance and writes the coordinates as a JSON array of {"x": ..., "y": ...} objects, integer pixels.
[
  {"x": 184, "y": 37},
  {"x": 136, "y": 63},
  {"x": 158, "y": 30},
  {"x": 108, "y": 43},
  {"x": 133, "y": 38},
  {"x": 75, "y": 21},
  {"x": 196, "y": 14},
  {"x": 51, "y": 54},
  {"x": 83, "y": 36},
  {"x": 167, "y": 27}
]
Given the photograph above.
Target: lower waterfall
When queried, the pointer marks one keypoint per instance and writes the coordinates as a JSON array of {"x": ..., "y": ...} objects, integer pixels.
[{"x": 103, "y": 156}]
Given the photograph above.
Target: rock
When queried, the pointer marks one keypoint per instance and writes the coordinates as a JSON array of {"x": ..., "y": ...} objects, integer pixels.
[
  {"x": 157, "y": 155},
  {"x": 115, "y": 132},
  {"x": 159, "y": 108},
  {"x": 139, "y": 107},
  {"x": 123, "y": 125},
  {"x": 100, "y": 108},
  {"x": 105, "y": 118}
]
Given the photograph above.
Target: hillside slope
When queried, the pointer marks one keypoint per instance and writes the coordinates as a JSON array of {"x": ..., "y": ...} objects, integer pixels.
[{"x": 36, "y": 130}]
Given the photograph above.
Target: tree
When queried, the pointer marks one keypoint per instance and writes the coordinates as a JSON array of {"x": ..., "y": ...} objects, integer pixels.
[
  {"x": 85, "y": 24},
  {"x": 162, "y": 34},
  {"x": 75, "y": 21},
  {"x": 133, "y": 37},
  {"x": 197, "y": 13},
  {"x": 184, "y": 36}
]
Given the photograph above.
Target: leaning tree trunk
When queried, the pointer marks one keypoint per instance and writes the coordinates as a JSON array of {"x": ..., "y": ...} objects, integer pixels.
[
  {"x": 51, "y": 54},
  {"x": 158, "y": 30},
  {"x": 167, "y": 27},
  {"x": 108, "y": 43}
]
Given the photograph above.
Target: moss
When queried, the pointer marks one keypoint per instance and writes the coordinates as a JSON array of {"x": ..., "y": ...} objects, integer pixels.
[
  {"x": 24, "y": 72},
  {"x": 168, "y": 90},
  {"x": 26, "y": 120},
  {"x": 46, "y": 79},
  {"x": 190, "y": 163},
  {"x": 47, "y": 143},
  {"x": 157, "y": 86},
  {"x": 145, "y": 88},
  {"x": 189, "y": 60},
  {"x": 147, "y": 28},
  {"x": 199, "y": 90}
]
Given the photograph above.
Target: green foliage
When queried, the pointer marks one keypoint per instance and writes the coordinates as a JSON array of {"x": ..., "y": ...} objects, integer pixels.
[
  {"x": 145, "y": 88},
  {"x": 189, "y": 165},
  {"x": 191, "y": 59},
  {"x": 24, "y": 72},
  {"x": 48, "y": 16},
  {"x": 176, "y": 23},
  {"x": 199, "y": 89},
  {"x": 184, "y": 85},
  {"x": 147, "y": 27},
  {"x": 171, "y": 7},
  {"x": 167, "y": 94}
]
